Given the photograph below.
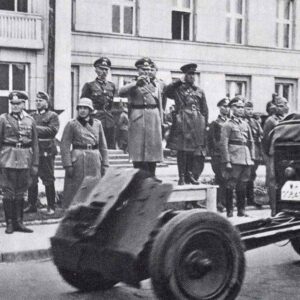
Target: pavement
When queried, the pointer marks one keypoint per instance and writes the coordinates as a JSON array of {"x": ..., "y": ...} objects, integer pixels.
[{"x": 29, "y": 246}]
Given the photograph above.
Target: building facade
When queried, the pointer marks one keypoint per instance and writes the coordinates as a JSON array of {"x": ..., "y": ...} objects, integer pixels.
[{"x": 247, "y": 47}]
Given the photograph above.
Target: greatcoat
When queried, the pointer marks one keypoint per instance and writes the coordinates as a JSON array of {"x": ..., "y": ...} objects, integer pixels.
[
  {"x": 145, "y": 121},
  {"x": 188, "y": 132},
  {"x": 86, "y": 162}
]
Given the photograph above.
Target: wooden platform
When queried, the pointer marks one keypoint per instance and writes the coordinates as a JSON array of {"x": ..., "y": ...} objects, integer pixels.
[{"x": 206, "y": 194}]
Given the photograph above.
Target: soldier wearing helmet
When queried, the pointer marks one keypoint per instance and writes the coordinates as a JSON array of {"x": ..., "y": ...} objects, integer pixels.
[{"x": 83, "y": 149}]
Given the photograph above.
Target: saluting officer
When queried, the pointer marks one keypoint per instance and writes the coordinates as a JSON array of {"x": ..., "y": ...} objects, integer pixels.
[
  {"x": 83, "y": 149},
  {"x": 102, "y": 93},
  {"x": 237, "y": 154},
  {"x": 47, "y": 127},
  {"x": 19, "y": 159},
  {"x": 257, "y": 134},
  {"x": 145, "y": 118},
  {"x": 213, "y": 142},
  {"x": 188, "y": 131}
]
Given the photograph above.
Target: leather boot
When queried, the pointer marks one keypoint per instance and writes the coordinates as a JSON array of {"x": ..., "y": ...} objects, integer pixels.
[
  {"x": 8, "y": 207},
  {"x": 229, "y": 202},
  {"x": 181, "y": 167},
  {"x": 50, "y": 195},
  {"x": 189, "y": 168},
  {"x": 241, "y": 200},
  {"x": 32, "y": 199},
  {"x": 18, "y": 224}
]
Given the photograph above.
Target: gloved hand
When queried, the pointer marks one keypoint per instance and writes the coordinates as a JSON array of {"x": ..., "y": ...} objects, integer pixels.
[
  {"x": 34, "y": 171},
  {"x": 69, "y": 171}
]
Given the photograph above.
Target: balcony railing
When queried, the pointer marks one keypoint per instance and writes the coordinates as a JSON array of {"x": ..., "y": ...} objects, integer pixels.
[{"x": 20, "y": 30}]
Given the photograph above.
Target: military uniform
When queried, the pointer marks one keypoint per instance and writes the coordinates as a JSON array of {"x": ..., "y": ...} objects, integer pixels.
[
  {"x": 83, "y": 147},
  {"x": 47, "y": 127},
  {"x": 123, "y": 123},
  {"x": 102, "y": 93},
  {"x": 144, "y": 132},
  {"x": 19, "y": 154},
  {"x": 188, "y": 132},
  {"x": 213, "y": 141},
  {"x": 237, "y": 148},
  {"x": 257, "y": 134},
  {"x": 269, "y": 125}
]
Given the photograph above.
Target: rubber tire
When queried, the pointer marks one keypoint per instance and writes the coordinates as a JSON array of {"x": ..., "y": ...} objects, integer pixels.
[
  {"x": 296, "y": 244},
  {"x": 171, "y": 237},
  {"x": 87, "y": 281}
]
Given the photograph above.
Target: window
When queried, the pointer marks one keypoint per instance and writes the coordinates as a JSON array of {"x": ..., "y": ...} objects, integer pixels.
[
  {"x": 12, "y": 77},
  {"x": 181, "y": 19},
  {"x": 237, "y": 86},
  {"x": 284, "y": 23},
  {"x": 123, "y": 16},
  {"x": 286, "y": 88},
  {"x": 14, "y": 5},
  {"x": 235, "y": 21}
]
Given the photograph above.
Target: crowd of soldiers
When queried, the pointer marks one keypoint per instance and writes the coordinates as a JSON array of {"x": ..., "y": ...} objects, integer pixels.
[{"x": 235, "y": 141}]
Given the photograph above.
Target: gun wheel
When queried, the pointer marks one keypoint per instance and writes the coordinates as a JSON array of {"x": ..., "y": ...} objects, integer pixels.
[{"x": 197, "y": 255}]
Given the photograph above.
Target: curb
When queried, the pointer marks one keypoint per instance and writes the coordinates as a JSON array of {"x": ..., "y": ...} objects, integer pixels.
[
  {"x": 36, "y": 222},
  {"x": 21, "y": 256}
]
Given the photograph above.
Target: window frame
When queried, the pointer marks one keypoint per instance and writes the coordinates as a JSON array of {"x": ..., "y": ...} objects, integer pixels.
[
  {"x": 288, "y": 81},
  {"x": 181, "y": 9},
  {"x": 238, "y": 79},
  {"x": 233, "y": 15},
  {"x": 122, "y": 4},
  {"x": 281, "y": 21},
  {"x": 5, "y": 93},
  {"x": 16, "y": 7}
]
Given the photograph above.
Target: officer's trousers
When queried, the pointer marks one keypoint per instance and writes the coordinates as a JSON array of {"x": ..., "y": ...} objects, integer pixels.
[{"x": 216, "y": 166}]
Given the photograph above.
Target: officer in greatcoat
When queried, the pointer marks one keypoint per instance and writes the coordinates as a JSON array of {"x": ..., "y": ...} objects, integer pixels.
[
  {"x": 47, "y": 127},
  {"x": 282, "y": 109},
  {"x": 257, "y": 134},
  {"x": 83, "y": 149},
  {"x": 102, "y": 93},
  {"x": 188, "y": 132},
  {"x": 145, "y": 118},
  {"x": 19, "y": 159},
  {"x": 213, "y": 143},
  {"x": 237, "y": 153}
]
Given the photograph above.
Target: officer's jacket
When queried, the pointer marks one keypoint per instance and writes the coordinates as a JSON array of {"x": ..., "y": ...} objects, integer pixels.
[
  {"x": 214, "y": 136},
  {"x": 191, "y": 116},
  {"x": 257, "y": 134},
  {"x": 236, "y": 142},
  {"x": 18, "y": 142},
  {"x": 270, "y": 123},
  {"x": 77, "y": 134},
  {"x": 47, "y": 125},
  {"x": 102, "y": 94}
]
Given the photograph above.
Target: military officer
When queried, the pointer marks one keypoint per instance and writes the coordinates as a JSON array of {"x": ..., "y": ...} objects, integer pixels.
[
  {"x": 102, "y": 93},
  {"x": 281, "y": 110},
  {"x": 188, "y": 132},
  {"x": 237, "y": 155},
  {"x": 145, "y": 118},
  {"x": 47, "y": 127},
  {"x": 257, "y": 134},
  {"x": 213, "y": 141},
  {"x": 83, "y": 149},
  {"x": 19, "y": 158}
]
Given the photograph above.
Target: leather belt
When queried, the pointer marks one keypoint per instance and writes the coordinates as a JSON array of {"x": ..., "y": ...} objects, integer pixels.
[
  {"x": 240, "y": 143},
  {"x": 143, "y": 106},
  {"x": 17, "y": 145},
  {"x": 85, "y": 147}
]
